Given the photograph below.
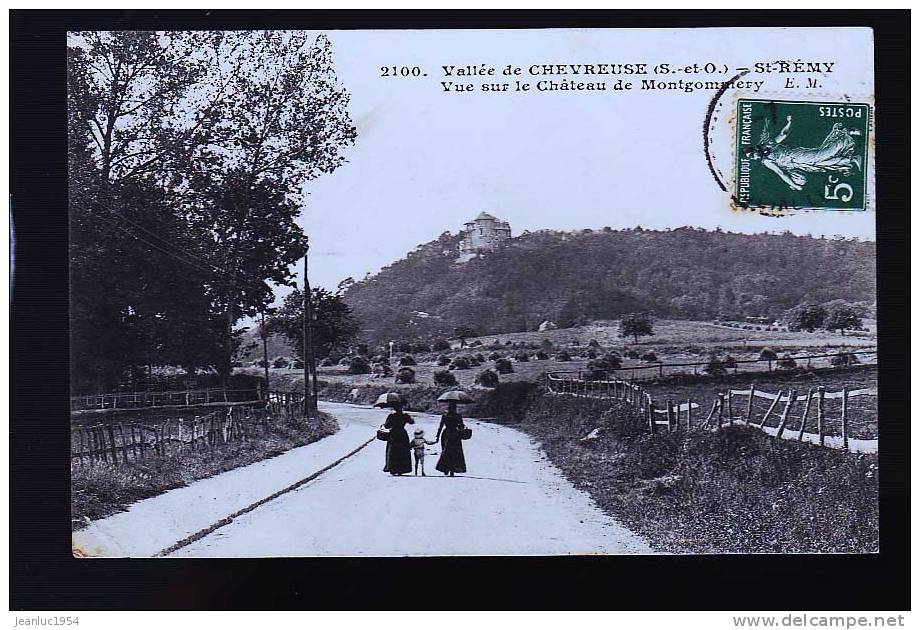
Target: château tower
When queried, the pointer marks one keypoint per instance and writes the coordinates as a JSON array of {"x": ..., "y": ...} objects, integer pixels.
[{"x": 483, "y": 233}]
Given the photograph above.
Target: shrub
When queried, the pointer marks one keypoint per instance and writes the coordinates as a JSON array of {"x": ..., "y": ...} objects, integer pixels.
[
  {"x": 472, "y": 359},
  {"x": 597, "y": 370},
  {"x": 521, "y": 357},
  {"x": 563, "y": 356},
  {"x": 297, "y": 364},
  {"x": 443, "y": 360},
  {"x": 460, "y": 363},
  {"x": 440, "y": 345},
  {"x": 487, "y": 378},
  {"x": 405, "y": 375},
  {"x": 476, "y": 344},
  {"x": 504, "y": 366},
  {"x": 714, "y": 366},
  {"x": 444, "y": 378},
  {"x": 480, "y": 358},
  {"x": 632, "y": 354},
  {"x": 280, "y": 362},
  {"x": 844, "y": 359},
  {"x": 590, "y": 354},
  {"x": 495, "y": 356},
  {"x": 380, "y": 358},
  {"x": 730, "y": 362},
  {"x": 383, "y": 369},
  {"x": 421, "y": 347},
  {"x": 359, "y": 365},
  {"x": 345, "y": 360},
  {"x": 541, "y": 356},
  {"x": 609, "y": 361},
  {"x": 327, "y": 362},
  {"x": 546, "y": 345},
  {"x": 260, "y": 363},
  {"x": 508, "y": 343},
  {"x": 404, "y": 346},
  {"x": 786, "y": 363},
  {"x": 407, "y": 360},
  {"x": 650, "y": 356},
  {"x": 593, "y": 344}
]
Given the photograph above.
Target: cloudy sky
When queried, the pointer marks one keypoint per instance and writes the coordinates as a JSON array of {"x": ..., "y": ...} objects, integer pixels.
[{"x": 425, "y": 161}]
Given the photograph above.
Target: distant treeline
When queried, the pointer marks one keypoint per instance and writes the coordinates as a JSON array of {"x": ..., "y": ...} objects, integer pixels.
[{"x": 572, "y": 278}]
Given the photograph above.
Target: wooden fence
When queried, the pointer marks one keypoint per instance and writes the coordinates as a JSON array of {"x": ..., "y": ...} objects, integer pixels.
[
  {"x": 651, "y": 371},
  {"x": 186, "y": 398},
  {"x": 817, "y": 416},
  {"x": 122, "y": 443},
  {"x": 831, "y": 425}
]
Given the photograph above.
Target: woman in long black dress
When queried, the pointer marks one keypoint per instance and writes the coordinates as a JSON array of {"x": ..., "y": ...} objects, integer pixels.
[
  {"x": 451, "y": 460},
  {"x": 399, "y": 455}
]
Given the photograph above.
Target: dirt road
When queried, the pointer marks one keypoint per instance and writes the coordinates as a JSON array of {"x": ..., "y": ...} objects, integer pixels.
[{"x": 512, "y": 501}]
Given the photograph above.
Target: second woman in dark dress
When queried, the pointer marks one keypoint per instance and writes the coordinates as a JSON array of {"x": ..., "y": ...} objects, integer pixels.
[
  {"x": 451, "y": 460},
  {"x": 399, "y": 455}
]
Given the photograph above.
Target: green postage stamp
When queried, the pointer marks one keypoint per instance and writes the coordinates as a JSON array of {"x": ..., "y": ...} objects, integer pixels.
[{"x": 801, "y": 155}]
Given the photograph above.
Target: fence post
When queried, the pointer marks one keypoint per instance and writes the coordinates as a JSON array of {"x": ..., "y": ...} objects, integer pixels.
[
  {"x": 111, "y": 431},
  {"x": 711, "y": 413},
  {"x": 779, "y": 395},
  {"x": 843, "y": 420},
  {"x": 721, "y": 403},
  {"x": 805, "y": 415},
  {"x": 651, "y": 418},
  {"x": 689, "y": 411},
  {"x": 750, "y": 409},
  {"x": 660, "y": 369},
  {"x": 821, "y": 415},
  {"x": 785, "y": 416},
  {"x": 731, "y": 416},
  {"x": 670, "y": 410}
]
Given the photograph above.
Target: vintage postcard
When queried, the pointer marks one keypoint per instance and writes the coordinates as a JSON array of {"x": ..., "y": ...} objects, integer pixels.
[{"x": 473, "y": 292}]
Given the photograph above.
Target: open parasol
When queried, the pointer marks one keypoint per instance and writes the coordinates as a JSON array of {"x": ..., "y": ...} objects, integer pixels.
[
  {"x": 389, "y": 399},
  {"x": 455, "y": 395}
]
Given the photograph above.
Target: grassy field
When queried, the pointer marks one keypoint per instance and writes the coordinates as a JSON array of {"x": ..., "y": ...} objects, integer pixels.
[
  {"x": 674, "y": 341},
  {"x": 862, "y": 412}
]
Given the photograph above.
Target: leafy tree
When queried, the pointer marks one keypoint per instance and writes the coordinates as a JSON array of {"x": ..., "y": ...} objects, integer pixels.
[
  {"x": 334, "y": 327},
  {"x": 808, "y": 317},
  {"x": 187, "y": 154},
  {"x": 769, "y": 355},
  {"x": 635, "y": 325},
  {"x": 504, "y": 366},
  {"x": 841, "y": 318}
]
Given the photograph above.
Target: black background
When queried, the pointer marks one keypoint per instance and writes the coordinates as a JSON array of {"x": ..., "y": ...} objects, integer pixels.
[{"x": 44, "y": 575}]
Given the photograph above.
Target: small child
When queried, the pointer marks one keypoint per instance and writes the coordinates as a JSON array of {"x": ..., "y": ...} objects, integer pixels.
[{"x": 418, "y": 448}]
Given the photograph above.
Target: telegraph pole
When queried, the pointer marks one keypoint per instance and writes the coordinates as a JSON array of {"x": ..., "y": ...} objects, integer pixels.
[
  {"x": 264, "y": 335},
  {"x": 309, "y": 361}
]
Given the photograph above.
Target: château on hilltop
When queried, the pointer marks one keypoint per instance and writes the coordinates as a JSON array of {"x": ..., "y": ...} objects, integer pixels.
[{"x": 484, "y": 233}]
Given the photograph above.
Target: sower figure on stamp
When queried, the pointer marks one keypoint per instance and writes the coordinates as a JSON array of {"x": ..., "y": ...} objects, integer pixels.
[{"x": 835, "y": 155}]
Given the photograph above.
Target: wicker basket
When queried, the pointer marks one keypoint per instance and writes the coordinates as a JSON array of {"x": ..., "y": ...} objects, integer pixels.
[
  {"x": 466, "y": 433},
  {"x": 383, "y": 435}
]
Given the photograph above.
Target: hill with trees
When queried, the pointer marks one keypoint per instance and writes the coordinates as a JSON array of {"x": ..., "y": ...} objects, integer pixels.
[{"x": 571, "y": 278}]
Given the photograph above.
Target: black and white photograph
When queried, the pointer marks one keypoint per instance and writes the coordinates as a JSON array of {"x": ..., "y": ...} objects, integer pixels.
[{"x": 441, "y": 293}]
